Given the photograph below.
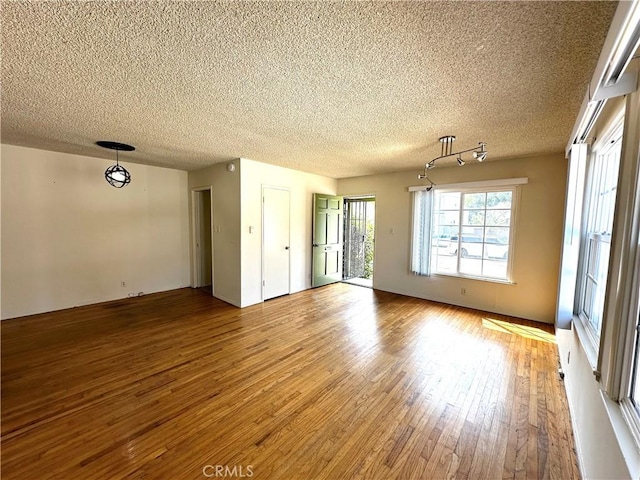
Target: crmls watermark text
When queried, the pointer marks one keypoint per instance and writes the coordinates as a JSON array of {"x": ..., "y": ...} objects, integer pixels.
[{"x": 219, "y": 471}]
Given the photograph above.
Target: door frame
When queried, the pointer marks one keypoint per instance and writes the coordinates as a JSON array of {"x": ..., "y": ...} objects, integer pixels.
[
  {"x": 262, "y": 252},
  {"x": 196, "y": 275},
  {"x": 363, "y": 197}
]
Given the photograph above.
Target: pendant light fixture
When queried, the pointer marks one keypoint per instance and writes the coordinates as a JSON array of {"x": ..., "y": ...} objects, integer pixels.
[{"x": 117, "y": 175}]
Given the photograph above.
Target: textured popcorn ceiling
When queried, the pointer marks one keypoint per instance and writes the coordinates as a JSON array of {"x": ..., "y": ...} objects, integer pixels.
[{"x": 339, "y": 89}]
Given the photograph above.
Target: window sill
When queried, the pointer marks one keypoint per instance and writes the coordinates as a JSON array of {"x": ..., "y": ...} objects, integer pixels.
[
  {"x": 587, "y": 345},
  {"x": 471, "y": 277},
  {"x": 622, "y": 431}
]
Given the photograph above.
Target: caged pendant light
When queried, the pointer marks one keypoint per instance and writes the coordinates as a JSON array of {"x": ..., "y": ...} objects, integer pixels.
[{"x": 116, "y": 175}]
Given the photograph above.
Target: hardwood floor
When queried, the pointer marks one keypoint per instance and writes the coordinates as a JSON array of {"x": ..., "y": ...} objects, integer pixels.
[{"x": 339, "y": 382}]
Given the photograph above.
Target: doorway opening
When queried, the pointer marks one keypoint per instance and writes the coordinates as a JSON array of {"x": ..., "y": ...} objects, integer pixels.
[
  {"x": 359, "y": 240},
  {"x": 202, "y": 207}
]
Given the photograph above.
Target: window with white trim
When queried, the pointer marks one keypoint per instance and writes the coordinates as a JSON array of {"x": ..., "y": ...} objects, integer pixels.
[
  {"x": 630, "y": 332},
  {"x": 635, "y": 371},
  {"x": 630, "y": 325},
  {"x": 472, "y": 232},
  {"x": 599, "y": 206}
]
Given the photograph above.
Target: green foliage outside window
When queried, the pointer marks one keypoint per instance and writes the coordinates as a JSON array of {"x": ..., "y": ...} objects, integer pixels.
[{"x": 368, "y": 250}]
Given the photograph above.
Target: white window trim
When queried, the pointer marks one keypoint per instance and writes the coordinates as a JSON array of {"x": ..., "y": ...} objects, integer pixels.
[
  {"x": 623, "y": 428},
  {"x": 474, "y": 277},
  {"x": 503, "y": 182},
  {"x": 630, "y": 316},
  {"x": 621, "y": 313},
  {"x": 590, "y": 342},
  {"x": 510, "y": 184},
  {"x": 589, "y": 347},
  {"x": 631, "y": 418}
]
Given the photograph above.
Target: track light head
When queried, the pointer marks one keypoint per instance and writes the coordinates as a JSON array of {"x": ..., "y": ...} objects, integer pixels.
[
  {"x": 480, "y": 156},
  {"x": 460, "y": 161}
]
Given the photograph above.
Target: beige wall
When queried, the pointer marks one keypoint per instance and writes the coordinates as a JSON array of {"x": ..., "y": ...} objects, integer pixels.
[
  {"x": 69, "y": 238},
  {"x": 537, "y": 243},
  {"x": 302, "y": 186},
  {"x": 97, "y": 236},
  {"x": 226, "y": 222}
]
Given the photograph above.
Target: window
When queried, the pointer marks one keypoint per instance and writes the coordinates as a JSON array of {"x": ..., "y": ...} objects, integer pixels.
[
  {"x": 635, "y": 371},
  {"x": 599, "y": 202},
  {"x": 630, "y": 385},
  {"x": 472, "y": 232},
  {"x": 607, "y": 300}
]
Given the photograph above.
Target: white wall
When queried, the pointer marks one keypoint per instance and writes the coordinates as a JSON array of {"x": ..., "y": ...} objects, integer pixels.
[
  {"x": 537, "y": 243},
  {"x": 69, "y": 238},
  {"x": 226, "y": 221},
  {"x": 597, "y": 448},
  {"x": 302, "y": 186}
]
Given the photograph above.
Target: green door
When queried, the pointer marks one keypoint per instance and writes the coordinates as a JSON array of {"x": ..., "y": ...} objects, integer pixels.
[{"x": 327, "y": 239}]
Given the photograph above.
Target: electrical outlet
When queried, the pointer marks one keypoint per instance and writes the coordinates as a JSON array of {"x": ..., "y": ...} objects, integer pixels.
[
  {"x": 463, "y": 291},
  {"x": 123, "y": 283}
]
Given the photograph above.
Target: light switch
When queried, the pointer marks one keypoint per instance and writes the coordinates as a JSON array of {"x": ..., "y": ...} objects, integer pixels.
[{"x": 252, "y": 229}]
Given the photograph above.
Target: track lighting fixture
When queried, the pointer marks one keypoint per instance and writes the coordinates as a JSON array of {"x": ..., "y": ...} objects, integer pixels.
[
  {"x": 446, "y": 150},
  {"x": 116, "y": 175}
]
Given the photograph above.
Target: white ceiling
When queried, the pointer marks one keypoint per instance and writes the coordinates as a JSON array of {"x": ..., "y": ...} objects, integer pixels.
[{"x": 338, "y": 89}]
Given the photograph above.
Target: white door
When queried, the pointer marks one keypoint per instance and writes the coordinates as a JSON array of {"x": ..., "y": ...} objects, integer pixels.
[
  {"x": 275, "y": 242},
  {"x": 203, "y": 238}
]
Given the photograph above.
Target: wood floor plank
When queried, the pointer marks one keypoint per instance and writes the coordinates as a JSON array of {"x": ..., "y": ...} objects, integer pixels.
[{"x": 338, "y": 382}]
